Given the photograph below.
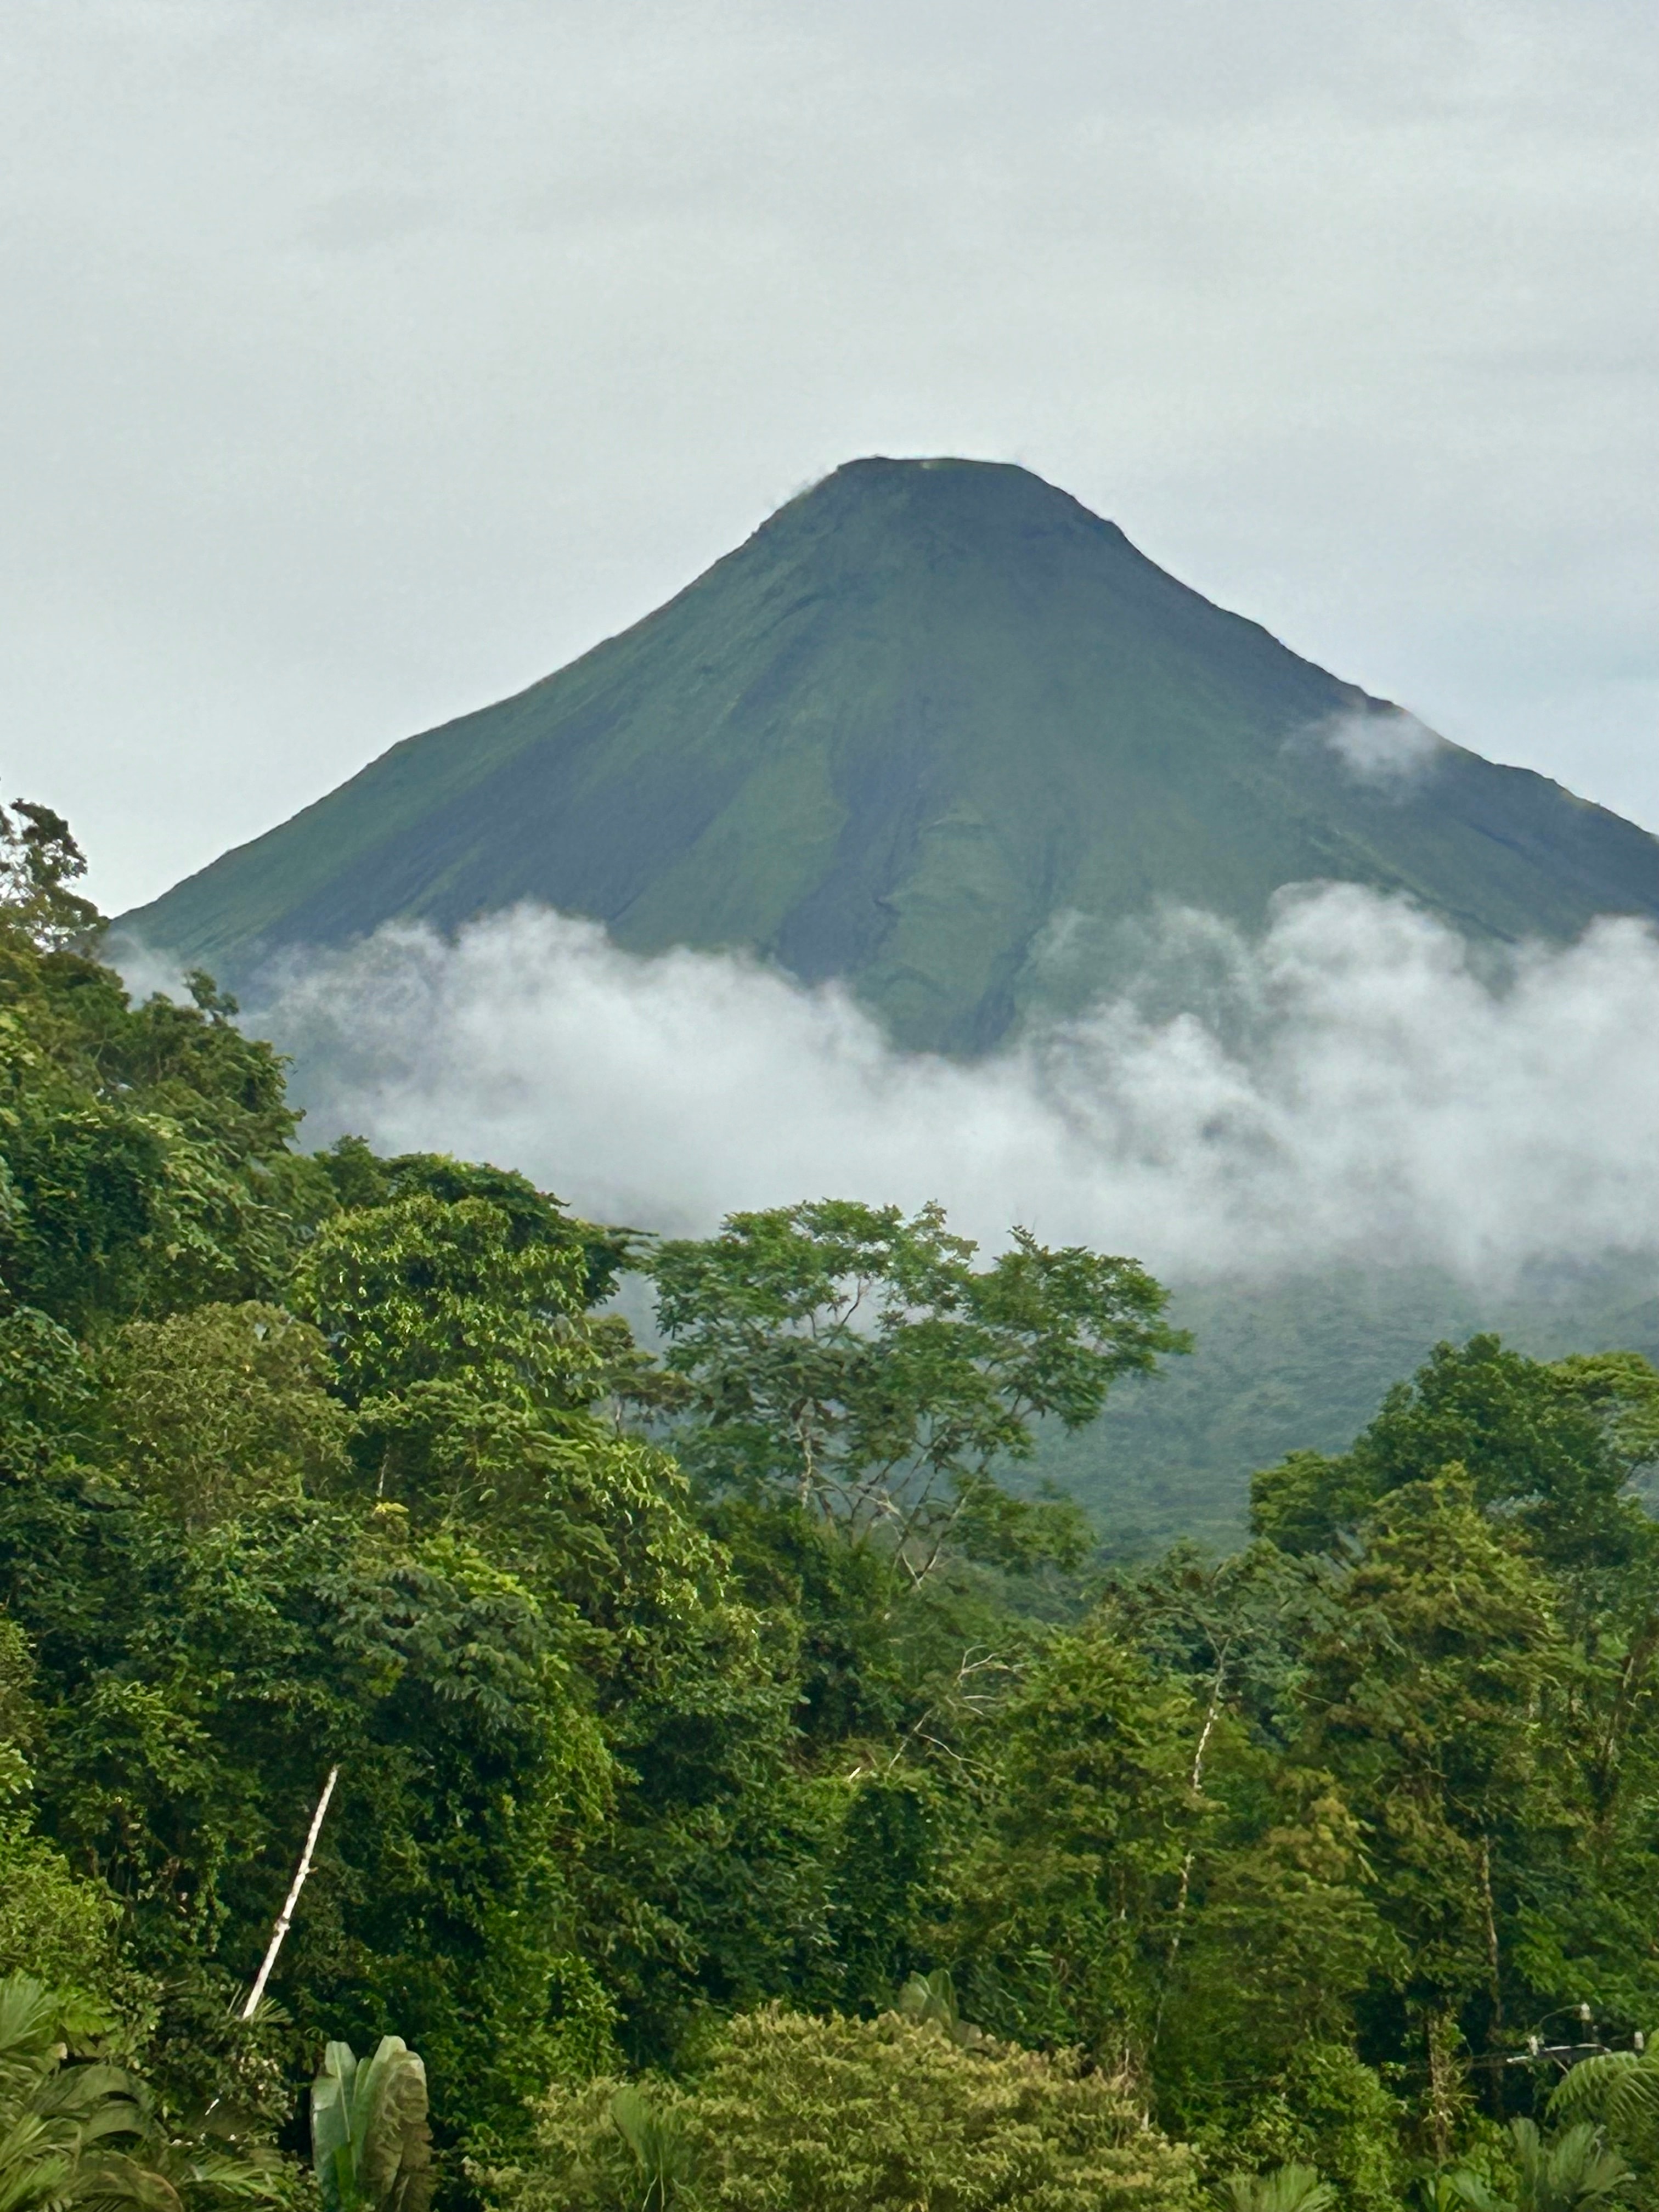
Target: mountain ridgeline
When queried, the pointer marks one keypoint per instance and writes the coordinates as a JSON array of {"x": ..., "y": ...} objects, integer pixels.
[{"x": 927, "y": 717}]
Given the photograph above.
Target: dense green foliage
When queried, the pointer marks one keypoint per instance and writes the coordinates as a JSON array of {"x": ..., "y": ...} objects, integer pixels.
[
  {"x": 77, "y": 2127},
  {"x": 937, "y": 729},
  {"x": 765, "y": 2129},
  {"x": 744, "y": 1800}
]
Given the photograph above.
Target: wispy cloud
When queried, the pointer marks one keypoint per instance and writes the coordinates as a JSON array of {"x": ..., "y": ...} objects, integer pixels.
[
  {"x": 1355, "y": 1086},
  {"x": 1388, "y": 749}
]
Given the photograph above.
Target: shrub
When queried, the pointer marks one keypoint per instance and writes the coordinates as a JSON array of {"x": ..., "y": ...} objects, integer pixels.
[{"x": 790, "y": 2113}]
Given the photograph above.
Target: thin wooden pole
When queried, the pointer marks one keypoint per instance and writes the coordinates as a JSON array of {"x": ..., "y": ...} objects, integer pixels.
[{"x": 285, "y": 1916}]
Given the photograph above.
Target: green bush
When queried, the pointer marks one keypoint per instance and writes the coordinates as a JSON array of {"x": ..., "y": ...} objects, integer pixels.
[{"x": 790, "y": 2113}]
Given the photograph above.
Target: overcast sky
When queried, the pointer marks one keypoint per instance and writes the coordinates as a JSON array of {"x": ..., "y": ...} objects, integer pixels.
[{"x": 365, "y": 361}]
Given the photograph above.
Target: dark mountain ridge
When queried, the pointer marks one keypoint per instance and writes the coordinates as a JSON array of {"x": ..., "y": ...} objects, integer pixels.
[{"x": 930, "y": 710}]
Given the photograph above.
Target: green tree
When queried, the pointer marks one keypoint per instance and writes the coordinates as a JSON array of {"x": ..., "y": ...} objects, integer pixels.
[
  {"x": 224, "y": 1408},
  {"x": 194, "y": 1690},
  {"x": 422, "y": 1290},
  {"x": 145, "y": 1162},
  {"x": 792, "y": 2113},
  {"x": 52, "y": 1923},
  {"x": 1424, "y": 1698},
  {"x": 858, "y": 1361},
  {"x": 1558, "y": 1446},
  {"x": 39, "y": 860},
  {"x": 1068, "y": 1901}
]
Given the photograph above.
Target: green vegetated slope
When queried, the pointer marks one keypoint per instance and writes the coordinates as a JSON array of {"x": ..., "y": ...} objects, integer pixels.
[
  {"x": 929, "y": 710},
  {"x": 1302, "y": 1364}
]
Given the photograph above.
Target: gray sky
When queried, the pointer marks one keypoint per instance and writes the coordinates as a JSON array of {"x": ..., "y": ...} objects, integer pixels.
[{"x": 364, "y": 362}]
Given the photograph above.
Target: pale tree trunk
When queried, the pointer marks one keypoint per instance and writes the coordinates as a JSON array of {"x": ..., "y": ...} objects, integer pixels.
[{"x": 284, "y": 1918}]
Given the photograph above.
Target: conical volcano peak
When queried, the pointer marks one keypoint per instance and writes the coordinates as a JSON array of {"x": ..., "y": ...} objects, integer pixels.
[
  {"x": 974, "y": 495},
  {"x": 933, "y": 718},
  {"x": 972, "y": 560},
  {"x": 983, "y": 510}
]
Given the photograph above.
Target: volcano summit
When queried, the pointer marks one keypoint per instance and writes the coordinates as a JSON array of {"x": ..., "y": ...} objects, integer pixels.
[{"x": 937, "y": 729}]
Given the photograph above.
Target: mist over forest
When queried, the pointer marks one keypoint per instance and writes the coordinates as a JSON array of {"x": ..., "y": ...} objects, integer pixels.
[
  {"x": 1338, "y": 1140},
  {"x": 1353, "y": 1082},
  {"x": 936, "y": 844},
  {"x": 832, "y": 1460}
]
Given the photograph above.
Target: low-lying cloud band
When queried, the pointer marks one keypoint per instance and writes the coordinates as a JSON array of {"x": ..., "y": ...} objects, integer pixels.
[{"x": 1354, "y": 1084}]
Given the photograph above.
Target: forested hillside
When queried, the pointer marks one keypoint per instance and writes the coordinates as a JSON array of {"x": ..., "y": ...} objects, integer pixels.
[
  {"x": 743, "y": 1798},
  {"x": 1302, "y": 1360}
]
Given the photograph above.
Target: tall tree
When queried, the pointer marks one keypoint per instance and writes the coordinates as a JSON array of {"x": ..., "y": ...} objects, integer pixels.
[{"x": 858, "y": 1362}]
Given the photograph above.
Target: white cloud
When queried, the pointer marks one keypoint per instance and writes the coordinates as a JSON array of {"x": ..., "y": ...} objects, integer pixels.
[
  {"x": 1357, "y": 1086},
  {"x": 1390, "y": 750}
]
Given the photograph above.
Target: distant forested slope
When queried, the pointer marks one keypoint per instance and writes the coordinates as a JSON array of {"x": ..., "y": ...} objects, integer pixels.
[{"x": 1303, "y": 1363}]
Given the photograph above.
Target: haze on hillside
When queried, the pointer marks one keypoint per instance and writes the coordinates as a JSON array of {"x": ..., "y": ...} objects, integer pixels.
[
  {"x": 1348, "y": 1087},
  {"x": 938, "y": 731},
  {"x": 1342, "y": 1138}
]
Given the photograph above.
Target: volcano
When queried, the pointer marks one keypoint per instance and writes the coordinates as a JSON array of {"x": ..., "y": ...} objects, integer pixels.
[{"x": 937, "y": 729}]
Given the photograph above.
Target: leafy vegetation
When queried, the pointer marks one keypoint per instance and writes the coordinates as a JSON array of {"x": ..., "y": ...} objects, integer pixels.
[
  {"x": 370, "y": 2144},
  {"x": 765, "y": 2128},
  {"x": 76, "y": 2129},
  {"x": 744, "y": 1797}
]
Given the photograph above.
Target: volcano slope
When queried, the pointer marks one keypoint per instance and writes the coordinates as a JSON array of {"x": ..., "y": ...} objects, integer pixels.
[{"x": 939, "y": 730}]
